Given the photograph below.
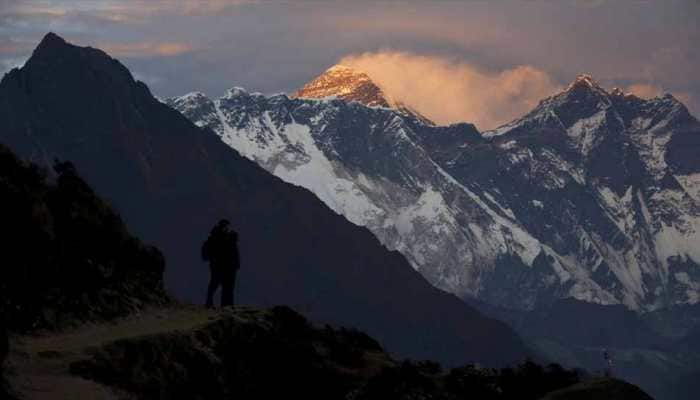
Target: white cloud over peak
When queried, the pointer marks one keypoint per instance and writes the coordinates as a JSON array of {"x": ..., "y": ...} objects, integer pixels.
[{"x": 449, "y": 91}]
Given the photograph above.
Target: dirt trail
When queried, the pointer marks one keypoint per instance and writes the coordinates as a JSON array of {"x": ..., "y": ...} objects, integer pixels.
[{"x": 38, "y": 365}]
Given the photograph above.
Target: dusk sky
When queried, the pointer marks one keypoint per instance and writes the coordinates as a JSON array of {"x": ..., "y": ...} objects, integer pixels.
[{"x": 482, "y": 62}]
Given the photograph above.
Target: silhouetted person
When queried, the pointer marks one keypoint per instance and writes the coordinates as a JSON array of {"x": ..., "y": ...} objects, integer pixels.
[{"x": 221, "y": 250}]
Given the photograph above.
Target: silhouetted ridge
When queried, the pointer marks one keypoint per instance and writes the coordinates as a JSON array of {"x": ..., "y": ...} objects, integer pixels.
[{"x": 50, "y": 42}]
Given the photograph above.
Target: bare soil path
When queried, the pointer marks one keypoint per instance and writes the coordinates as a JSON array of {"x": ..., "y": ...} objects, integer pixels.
[{"x": 38, "y": 365}]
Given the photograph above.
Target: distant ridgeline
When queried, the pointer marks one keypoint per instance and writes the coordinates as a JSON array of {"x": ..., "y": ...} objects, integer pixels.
[{"x": 67, "y": 255}]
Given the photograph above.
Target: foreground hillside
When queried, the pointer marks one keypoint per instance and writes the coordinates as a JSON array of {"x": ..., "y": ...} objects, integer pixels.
[{"x": 190, "y": 352}]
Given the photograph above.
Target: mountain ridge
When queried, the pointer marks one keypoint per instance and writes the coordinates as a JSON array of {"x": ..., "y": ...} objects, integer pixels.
[{"x": 580, "y": 158}]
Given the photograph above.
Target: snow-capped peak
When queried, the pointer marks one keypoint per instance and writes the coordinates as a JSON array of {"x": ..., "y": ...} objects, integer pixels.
[
  {"x": 350, "y": 84},
  {"x": 187, "y": 101},
  {"x": 583, "y": 80},
  {"x": 583, "y": 100},
  {"x": 345, "y": 83},
  {"x": 343, "y": 69},
  {"x": 584, "y": 86}
]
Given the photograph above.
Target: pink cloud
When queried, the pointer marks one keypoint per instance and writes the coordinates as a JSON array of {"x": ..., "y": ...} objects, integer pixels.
[{"x": 447, "y": 91}]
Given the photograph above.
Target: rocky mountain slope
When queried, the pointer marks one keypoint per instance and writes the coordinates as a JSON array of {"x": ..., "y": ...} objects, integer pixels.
[
  {"x": 171, "y": 181},
  {"x": 611, "y": 188},
  {"x": 592, "y": 195}
]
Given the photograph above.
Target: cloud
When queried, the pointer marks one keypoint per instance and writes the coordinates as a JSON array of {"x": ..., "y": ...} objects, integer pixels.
[
  {"x": 477, "y": 34},
  {"x": 643, "y": 90},
  {"x": 8, "y": 46},
  {"x": 146, "y": 49},
  {"x": 448, "y": 91},
  {"x": 122, "y": 11}
]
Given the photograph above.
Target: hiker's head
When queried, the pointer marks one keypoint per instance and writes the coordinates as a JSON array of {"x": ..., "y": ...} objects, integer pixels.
[{"x": 223, "y": 224}]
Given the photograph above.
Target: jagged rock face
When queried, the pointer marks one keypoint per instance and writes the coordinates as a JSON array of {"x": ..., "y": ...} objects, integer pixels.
[
  {"x": 171, "y": 181},
  {"x": 614, "y": 193},
  {"x": 347, "y": 84},
  {"x": 591, "y": 195}
]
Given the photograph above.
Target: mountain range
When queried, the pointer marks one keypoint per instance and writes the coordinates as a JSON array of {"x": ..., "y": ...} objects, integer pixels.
[
  {"x": 170, "y": 181},
  {"x": 593, "y": 195}
]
